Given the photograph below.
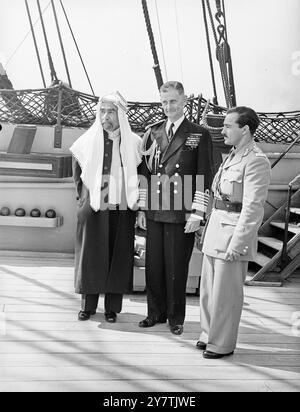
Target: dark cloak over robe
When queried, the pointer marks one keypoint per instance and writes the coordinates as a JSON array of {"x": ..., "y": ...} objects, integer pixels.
[{"x": 95, "y": 270}]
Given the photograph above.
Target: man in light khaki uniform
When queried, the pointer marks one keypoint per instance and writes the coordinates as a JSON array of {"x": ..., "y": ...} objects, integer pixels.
[{"x": 240, "y": 189}]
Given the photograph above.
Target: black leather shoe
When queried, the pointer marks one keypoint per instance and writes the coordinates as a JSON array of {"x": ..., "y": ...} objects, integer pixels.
[
  {"x": 213, "y": 355},
  {"x": 85, "y": 314},
  {"x": 148, "y": 322},
  {"x": 176, "y": 329},
  {"x": 110, "y": 317},
  {"x": 200, "y": 345}
]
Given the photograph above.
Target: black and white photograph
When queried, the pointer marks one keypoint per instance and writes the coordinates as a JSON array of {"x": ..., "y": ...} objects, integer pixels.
[{"x": 149, "y": 199}]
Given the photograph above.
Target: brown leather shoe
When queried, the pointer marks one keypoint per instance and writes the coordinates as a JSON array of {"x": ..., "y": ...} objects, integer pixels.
[
  {"x": 85, "y": 314},
  {"x": 213, "y": 355},
  {"x": 200, "y": 345}
]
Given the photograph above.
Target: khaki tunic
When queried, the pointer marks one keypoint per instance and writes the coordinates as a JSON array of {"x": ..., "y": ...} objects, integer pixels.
[{"x": 244, "y": 178}]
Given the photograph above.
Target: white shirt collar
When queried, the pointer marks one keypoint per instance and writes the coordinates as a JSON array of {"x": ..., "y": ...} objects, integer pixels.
[{"x": 176, "y": 124}]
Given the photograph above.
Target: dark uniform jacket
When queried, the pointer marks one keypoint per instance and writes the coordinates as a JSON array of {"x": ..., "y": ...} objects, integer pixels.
[{"x": 176, "y": 176}]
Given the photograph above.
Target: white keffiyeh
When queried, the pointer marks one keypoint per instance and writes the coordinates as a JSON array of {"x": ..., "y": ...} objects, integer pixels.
[{"x": 88, "y": 150}]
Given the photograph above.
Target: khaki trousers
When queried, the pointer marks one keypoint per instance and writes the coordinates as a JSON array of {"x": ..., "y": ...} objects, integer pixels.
[{"x": 221, "y": 302}]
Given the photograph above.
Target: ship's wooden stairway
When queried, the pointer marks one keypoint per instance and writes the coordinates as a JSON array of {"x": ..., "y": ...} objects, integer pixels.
[{"x": 271, "y": 266}]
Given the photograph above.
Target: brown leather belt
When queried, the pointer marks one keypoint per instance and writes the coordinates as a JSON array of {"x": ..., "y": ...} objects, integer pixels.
[{"x": 226, "y": 205}]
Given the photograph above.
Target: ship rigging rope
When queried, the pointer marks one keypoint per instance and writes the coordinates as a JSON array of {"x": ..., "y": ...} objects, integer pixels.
[
  {"x": 161, "y": 41},
  {"x": 212, "y": 21},
  {"x": 225, "y": 23},
  {"x": 222, "y": 51},
  {"x": 25, "y": 37},
  {"x": 156, "y": 67},
  {"x": 52, "y": 69},
  {"x": 77, "y": 48},
  {"x": 212, "y": 72},
  {"x": 61, "y": 44},
  {"x": 35, "y": 43},
  {"x": 178, "y": 40}
]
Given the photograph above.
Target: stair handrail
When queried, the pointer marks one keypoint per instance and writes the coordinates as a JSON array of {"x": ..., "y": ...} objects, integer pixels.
[
  {"x": 287, "y": 150},
  {"x": 284, "y": 259}
]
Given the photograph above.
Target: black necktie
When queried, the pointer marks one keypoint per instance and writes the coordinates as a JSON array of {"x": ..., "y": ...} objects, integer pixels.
[{"x": 170, "y": 132}]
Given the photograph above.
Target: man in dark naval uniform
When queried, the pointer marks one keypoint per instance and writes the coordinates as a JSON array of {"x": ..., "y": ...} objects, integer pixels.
[
  {"x": 176, "y": 174},
  {"x": 105, "y": 173}
]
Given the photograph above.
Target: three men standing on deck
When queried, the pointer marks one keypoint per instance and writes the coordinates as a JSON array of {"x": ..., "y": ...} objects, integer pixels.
[{"x": 174, "y": 162}]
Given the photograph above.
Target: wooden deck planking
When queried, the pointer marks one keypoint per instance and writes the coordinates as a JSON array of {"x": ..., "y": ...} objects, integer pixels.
[
  {"x": 191, "y": 326},
  {"x": 45, "y": 348},
  {"x": 192, "y": 314},
  {"x": 171, "y": 385},
  {"x": 131, "y": 371},
  {"x": 187, "y": 359},
  {"x": 55, "y": 305}
]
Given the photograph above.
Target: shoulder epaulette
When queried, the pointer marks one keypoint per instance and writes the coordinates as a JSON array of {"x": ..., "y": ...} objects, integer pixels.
[
  {"x": 261, "y": 154},
  {"x": 258, "y": 152},
  {"x": 154, "y": 124}
]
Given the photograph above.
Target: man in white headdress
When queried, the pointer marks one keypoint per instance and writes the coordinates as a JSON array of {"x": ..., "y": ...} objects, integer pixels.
[{"x": 105, "y": 173}]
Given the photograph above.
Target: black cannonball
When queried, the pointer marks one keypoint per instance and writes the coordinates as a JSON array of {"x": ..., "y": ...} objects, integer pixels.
[
  {"x": 5, "y": 211},
  {"x": 35, "y": 213},
  {"x": 50, "y": 213},
  {"x": 20, "y": 212}
]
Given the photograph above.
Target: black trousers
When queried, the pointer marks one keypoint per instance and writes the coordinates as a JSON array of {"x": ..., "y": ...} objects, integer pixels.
[
  {"x": 168, "y": 253},
  {"x": 112, "y": 301}
]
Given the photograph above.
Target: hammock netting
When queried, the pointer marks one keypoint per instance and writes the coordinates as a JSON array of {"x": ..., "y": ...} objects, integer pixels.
[{"x": 60, "y": 104}]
